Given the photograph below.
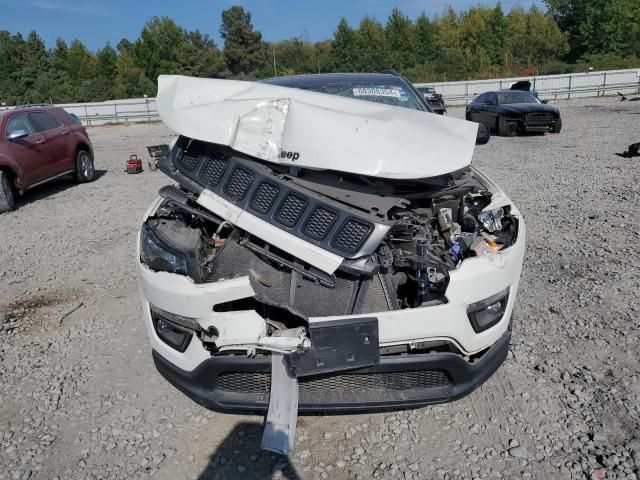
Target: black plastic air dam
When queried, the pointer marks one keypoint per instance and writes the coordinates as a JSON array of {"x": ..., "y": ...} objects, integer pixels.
[{"x": 202, "y": 385}]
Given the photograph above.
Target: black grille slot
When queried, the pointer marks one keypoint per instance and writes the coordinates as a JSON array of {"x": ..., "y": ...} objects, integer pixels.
[
  {"x": 319, "y": 223},
  {"x": 238, "y": 183},
  {"x": 264, "y": 197},
  {"x": 352, "y": 235},
  {"x": 290, "y": 210},
  {"x": 189, "y": 162},
  {"x": 260, "y": 382},
  {"x": 214, "y": 170}
]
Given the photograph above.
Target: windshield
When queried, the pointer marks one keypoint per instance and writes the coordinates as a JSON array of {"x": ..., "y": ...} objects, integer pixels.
[
  {"x": 516, "y": 97},
  {"x": 386, "y": 93}
]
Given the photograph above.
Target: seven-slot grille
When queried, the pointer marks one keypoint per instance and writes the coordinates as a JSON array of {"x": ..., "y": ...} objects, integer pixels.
[
  {"x": 260, "y": 382},
  {"x": 253, "y": 187}
]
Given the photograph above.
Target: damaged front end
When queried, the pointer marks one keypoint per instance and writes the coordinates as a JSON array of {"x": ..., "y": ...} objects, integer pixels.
[
  {"x": 321, "y": 290},
  {"x": 341, "y": 245}
]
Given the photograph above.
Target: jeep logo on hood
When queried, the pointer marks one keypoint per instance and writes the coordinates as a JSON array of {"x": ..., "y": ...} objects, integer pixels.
[{"x": 293, "y": 156}]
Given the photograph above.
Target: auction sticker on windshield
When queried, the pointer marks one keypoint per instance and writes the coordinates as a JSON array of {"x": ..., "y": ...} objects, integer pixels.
[{"x": 376, "y": 92}]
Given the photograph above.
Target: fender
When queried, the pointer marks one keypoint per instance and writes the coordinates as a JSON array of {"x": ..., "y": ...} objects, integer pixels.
[
  {"x": 9, "y": 163},
  {"x": 84, "y": 139}
]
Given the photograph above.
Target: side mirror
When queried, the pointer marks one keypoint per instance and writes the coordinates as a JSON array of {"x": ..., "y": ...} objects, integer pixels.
[
  {"x": 17, "y": 135},
  {"x": 484, "y": 134},
  {"x": 545, "y": 101}
]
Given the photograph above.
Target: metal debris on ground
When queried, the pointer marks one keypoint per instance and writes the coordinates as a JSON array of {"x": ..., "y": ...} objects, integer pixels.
[{"x": 633, "y": 151}]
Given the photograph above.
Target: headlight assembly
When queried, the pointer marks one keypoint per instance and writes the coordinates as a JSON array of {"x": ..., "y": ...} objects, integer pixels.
[
  {"x": 492, "y": 219},
  {"x": 164, "y": 248}
]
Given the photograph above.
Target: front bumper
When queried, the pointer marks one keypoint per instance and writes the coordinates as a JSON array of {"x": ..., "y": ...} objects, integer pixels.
[
  {"x": 475, "y": 280},
  {"x": 241, "y": 384},
  {"x": 538, "y": 128}
]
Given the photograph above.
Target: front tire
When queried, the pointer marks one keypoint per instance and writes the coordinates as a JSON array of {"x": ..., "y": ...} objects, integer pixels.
[
  {"x": 85, "y": 170},
  {"x": 503, "y": 127},
  {"x": 7, "y": 199},
  {"x": 558, "y": 126}
]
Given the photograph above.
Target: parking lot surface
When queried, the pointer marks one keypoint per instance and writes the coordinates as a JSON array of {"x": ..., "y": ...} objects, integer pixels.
[{"x": 79, "y": 397}]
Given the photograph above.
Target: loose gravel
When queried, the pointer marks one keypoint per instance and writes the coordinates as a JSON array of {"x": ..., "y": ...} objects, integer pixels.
[{"x": 80, "y": 399}]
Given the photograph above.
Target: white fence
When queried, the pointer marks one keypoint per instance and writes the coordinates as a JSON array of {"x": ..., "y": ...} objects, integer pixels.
[
  {"x": 590, "y": 84},
  {"x": 115, "y": 111}
]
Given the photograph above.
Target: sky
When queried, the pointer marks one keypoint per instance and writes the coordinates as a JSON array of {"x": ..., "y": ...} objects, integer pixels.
[{"x": 96, "y": 22}]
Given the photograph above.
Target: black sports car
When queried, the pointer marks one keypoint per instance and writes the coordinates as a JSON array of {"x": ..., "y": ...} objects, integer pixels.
[
  {"x": 514, "y": 111},
  {"x": 435, "y": 100}
]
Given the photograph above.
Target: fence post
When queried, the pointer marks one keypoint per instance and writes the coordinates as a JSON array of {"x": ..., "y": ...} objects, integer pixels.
[
  {"x": 569, "y": 94},
  {"x": 86, "y": 115},
  {"x": 500, "y": 84},
  {"x": 604, "y": 84},
  {"x": 115, "y": 109},
  {"x": 148, "y": 114},
  {"x": 466, "y": 93}
]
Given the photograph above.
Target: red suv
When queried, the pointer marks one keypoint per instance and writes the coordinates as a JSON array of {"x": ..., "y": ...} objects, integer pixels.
[{"x": 37, "y": 144}]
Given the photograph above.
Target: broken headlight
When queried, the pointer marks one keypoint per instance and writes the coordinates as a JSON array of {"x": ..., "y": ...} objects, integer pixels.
[
  {"x": 492, "y": 219},
  {"x": 171, "y": 248},
  {"x": 487, "y": 313}
]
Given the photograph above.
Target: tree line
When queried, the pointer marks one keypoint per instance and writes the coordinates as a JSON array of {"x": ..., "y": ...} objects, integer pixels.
[{"x": 480, "y": 42}]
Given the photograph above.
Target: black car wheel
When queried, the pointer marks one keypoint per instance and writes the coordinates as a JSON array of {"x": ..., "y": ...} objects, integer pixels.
[
  {"x": 503, "y": 127},
  {"x": 558, "y": 126},
  {"x": 7, "y": 200},
  {"x": 85, "y": 171}
]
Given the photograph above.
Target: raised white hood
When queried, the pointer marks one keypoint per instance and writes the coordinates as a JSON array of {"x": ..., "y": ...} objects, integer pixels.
[{"x": 315, "y": 130}]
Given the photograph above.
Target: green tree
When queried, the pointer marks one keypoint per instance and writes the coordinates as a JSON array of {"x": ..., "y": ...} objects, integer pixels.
[
  {"x": 598, "y": 26},
  {"x": 343, "y": 48},
  {"x": 101, "y": 84},
  {"x": 60, "y": 84},
  {"x": 126, "y": 46},
  {"x": 199, "y": 56},
  {"x": 372, "y": 53},
  {"x": 426, "y": 49},
  {"x": 401, "y": 41},
  {"x": 32, "y": 55},
  {"x": 451, "y": 62},
  {"x": 158, "y": 49},
  {"x": 244, "y": 53},
  {"x": 131, "y": 80},
  {"x": 11, "y": 59}
]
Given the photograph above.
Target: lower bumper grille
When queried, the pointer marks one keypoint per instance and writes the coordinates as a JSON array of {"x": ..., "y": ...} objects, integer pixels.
[
  {"x": 242, "y": 385},
  {"x": 538, "y": 118},
  {"x": 260, "y": 382}
]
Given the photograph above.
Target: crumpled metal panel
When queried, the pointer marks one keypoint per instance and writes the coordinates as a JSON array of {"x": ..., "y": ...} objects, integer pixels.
[{"x": 315, "y": 130}]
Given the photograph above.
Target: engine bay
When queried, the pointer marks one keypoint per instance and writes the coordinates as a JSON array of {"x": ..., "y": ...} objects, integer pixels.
[{"x": 399, "y": 239}]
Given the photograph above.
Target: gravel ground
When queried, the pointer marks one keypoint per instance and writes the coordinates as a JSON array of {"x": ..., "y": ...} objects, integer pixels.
[{"x": 79, "y": 397}]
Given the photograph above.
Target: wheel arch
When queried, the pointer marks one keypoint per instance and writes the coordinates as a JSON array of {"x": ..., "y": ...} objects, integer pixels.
[
  {"x": 84, "y": 146},
  {"x": 12, "y": 173}
]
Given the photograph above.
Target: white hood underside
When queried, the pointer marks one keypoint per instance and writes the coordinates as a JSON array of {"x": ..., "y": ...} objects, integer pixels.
[{"x": 320, "y": 131}]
